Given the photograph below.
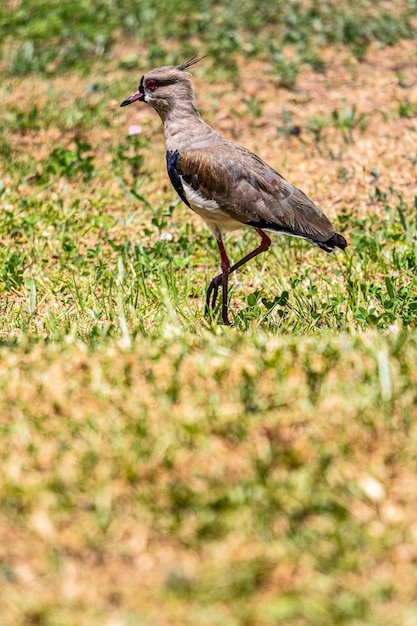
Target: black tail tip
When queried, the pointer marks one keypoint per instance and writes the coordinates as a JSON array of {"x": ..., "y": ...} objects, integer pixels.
[{"x": 335, "y": 241}]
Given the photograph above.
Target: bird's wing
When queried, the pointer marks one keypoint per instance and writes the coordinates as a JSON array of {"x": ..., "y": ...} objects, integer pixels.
[{"x": 247, "y": 190}]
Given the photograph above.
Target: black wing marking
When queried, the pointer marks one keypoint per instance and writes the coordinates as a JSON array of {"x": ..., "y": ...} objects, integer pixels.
[{"x": 174, "y": 176}]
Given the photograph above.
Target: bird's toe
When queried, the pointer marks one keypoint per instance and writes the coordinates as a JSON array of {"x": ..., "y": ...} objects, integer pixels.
[{"x": 213, "y": 292}]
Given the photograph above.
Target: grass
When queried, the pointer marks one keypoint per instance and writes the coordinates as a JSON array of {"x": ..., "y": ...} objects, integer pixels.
[
  {"x": 39, "y": 36},
  {"x": 158, "y": 468},
  {"x": 210, "y": 479}
]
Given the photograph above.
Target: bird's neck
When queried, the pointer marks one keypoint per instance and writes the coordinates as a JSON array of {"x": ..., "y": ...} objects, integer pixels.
[{"x": 184, "y": 128}]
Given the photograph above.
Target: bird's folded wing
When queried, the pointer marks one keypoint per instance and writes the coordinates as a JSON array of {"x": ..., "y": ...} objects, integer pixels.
[{"x": 250, "y": 191}]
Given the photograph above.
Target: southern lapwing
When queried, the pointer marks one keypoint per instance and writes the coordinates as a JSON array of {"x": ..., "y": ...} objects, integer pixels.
[{"x": 226, "y": 184}]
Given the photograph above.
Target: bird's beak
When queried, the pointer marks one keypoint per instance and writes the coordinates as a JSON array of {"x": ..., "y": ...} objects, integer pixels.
[{"x": 135, "y": 96}]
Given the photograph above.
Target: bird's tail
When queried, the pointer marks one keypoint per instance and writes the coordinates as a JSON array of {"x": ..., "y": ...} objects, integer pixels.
[{"x": 335, "y": 241}]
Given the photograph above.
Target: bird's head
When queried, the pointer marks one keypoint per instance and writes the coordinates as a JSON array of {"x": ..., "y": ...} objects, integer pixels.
[{"x": 163, "y": 87}]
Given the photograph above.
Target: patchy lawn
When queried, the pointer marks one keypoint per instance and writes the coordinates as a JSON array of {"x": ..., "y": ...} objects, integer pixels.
[{"x": 157, "y": 468}]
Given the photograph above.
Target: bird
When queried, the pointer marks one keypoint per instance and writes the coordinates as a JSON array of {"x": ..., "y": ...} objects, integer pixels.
[{"x": 229, "y": 186}]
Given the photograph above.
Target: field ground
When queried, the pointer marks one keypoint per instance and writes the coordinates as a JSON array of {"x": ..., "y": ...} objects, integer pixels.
[{"x": 157, "y": 468}]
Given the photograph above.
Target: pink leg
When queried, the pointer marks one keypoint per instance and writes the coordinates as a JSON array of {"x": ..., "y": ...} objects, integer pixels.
[{"x": 223, "y": 278}]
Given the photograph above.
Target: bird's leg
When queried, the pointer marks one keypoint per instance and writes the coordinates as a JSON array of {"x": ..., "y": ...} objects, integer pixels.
[
  {"x": 263, "y": 246},
  {"x": 223, "y": 278},
  {"x": 225, "y": 265}
]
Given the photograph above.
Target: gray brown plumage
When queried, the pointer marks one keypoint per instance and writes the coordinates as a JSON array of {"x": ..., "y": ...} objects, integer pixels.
[{"x": 226, "y": 184}]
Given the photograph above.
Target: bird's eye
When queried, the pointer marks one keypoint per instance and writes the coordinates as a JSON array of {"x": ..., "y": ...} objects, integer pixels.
[{"x": 151, "y": 85}]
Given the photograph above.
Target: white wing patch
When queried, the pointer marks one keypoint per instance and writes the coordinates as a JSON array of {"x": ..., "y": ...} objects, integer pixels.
[
  {"x": 197, "y": 201},
  {"x": 216, "y": 219}
]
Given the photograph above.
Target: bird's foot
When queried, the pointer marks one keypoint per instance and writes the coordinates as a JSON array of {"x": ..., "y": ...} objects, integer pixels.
[
  {"x": 211, "y": 299},
  {"x": 225, "y": 318},
  {"x": 213, "y": 292}
]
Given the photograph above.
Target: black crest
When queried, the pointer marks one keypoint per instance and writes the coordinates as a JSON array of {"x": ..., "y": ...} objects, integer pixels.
[{"x": 190, "y": 62}]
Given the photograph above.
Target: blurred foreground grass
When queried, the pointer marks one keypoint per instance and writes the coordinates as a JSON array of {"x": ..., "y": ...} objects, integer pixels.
[{"x": 220, "y": 479}]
